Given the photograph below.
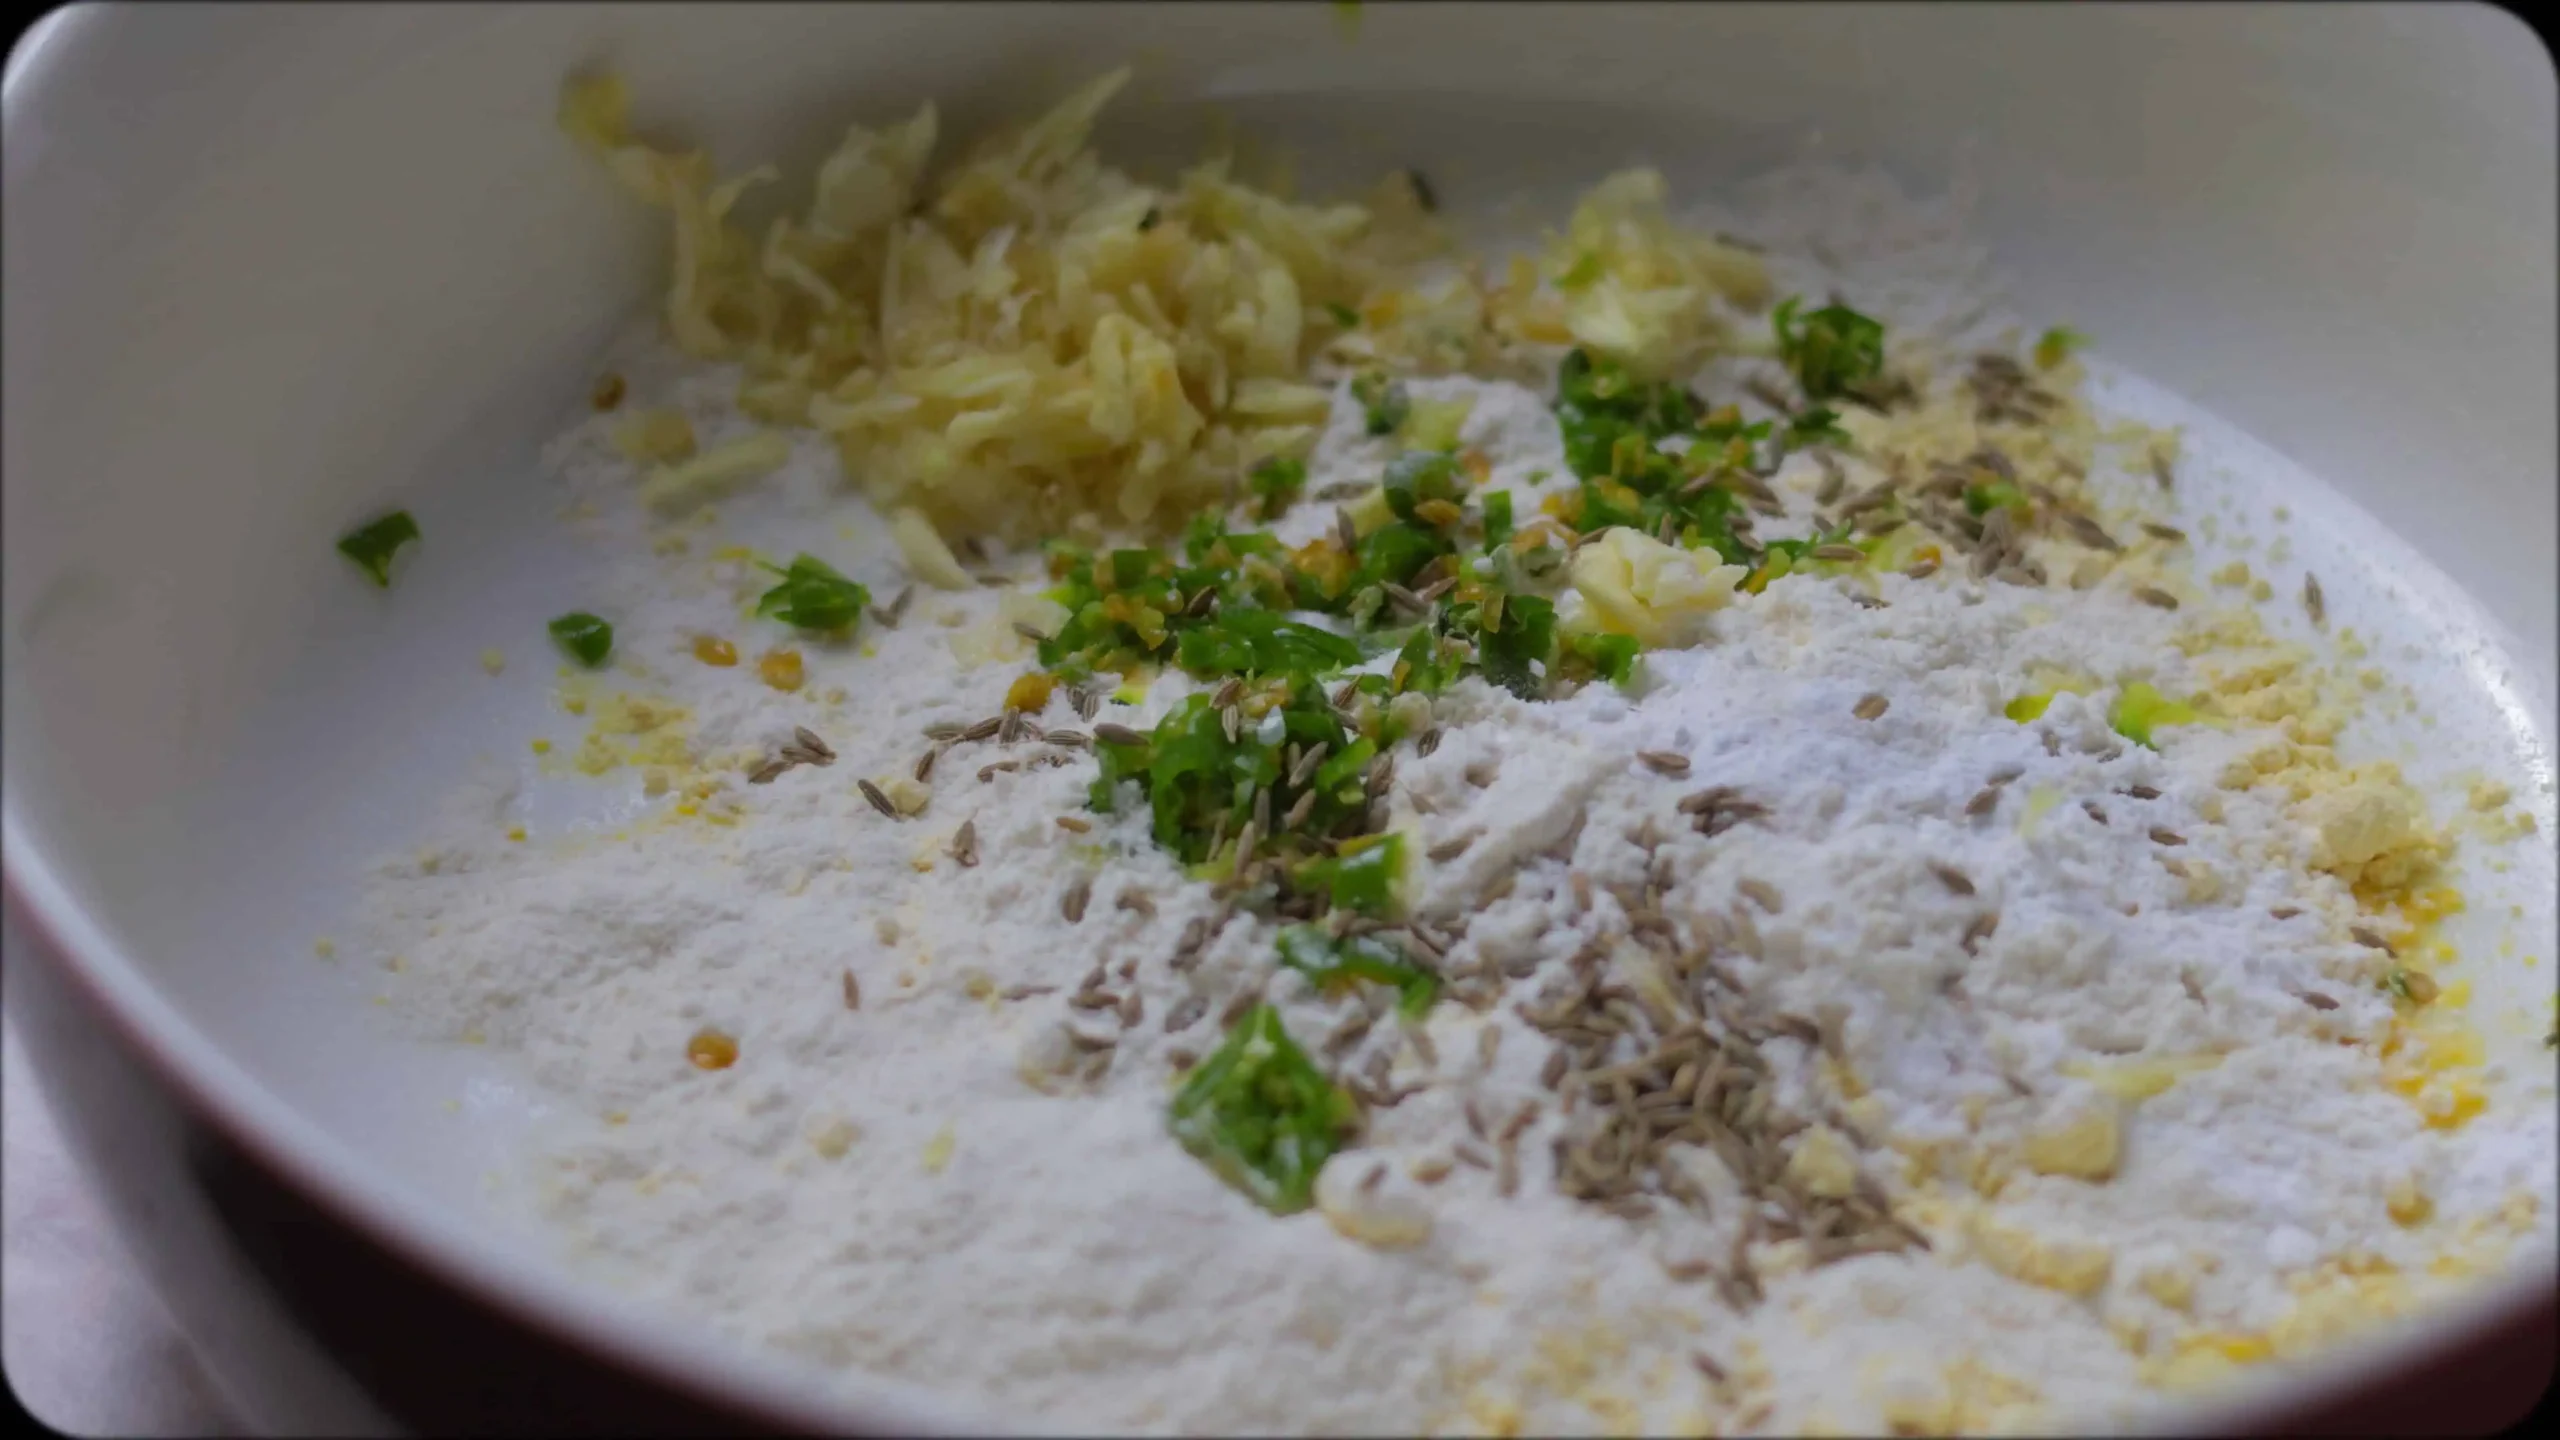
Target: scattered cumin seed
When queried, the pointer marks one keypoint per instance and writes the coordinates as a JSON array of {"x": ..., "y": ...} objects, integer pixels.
[
  {"x": 1231, "y": 719},
  {"x": 2318, "y": 1001},
  {"x": 1025, "y": 992},
  {"x": 2154, "y": 596},
  {"x": 925, "y": 763},
  {"x": 1450, "y": 849},
  {"x": 2158, "y": 531},
  {"x": 2163, "y": 835},
  {"x": 896, "y": 610},
  {"x": 852, "y": 991},
  {"x": 878, "y": 801},
  {"x": 1985, "y": 800},
  {"x": 1430, "y": 1169},
  {"x": 1551, "y": 1074},
  {"x": 2095, "y": 811},
  {"x": 1133, "y": 1008},
  {"x": 1704, "y": 1362},
  {"x": 1345, "y": 531},
  {"x": 2314, "y": 603},
  {"x": 1429, "y": 741},
  {"x": 1953, "y": 878},
  {"x": 1110, "y": 734},
  {"x": 2140, "y": 792},
  {"x": 1137, "y": 902},
  {"x": 1071, "y": 739},
  {"x": 2371, "y": 938},
  {"x": 2162, "y": 471},
  {"x": 944, "y": 730},
  {"x": 1870, "y": 706},
  {"x": 1664, "y": 762},
  {"x": 1299, "y": 810},
  {"x": 767, "y": 771},
  {"x": 1071, "y": 905},
  {"x": 1074, "y": 824},
  {"x": 2285, "y": 912},
  {"x": 984, "y": 728},
  {"x": 1979, "y": 929},
  {"x": 1922, "y": 568}
]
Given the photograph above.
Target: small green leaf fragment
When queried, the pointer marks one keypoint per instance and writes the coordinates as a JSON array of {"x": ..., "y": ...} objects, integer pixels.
[
  {"x": 2027, "y": 707},
  {"x": 1383, "y": 402},
  {"x": 2056, "y": 345},
  {"x": 372, "y": 544},
  {"x": 1276, "y": 484},
  {"x": 1261, "y": 1114},
  {"x": 586, "y": 638},
  {"x": 812, "y": 596},
  {"x": 2140, "y": 708}
]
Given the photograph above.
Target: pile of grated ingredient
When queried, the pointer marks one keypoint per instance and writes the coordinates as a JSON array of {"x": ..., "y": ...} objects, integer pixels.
[{"x": 1899, "y": 952}]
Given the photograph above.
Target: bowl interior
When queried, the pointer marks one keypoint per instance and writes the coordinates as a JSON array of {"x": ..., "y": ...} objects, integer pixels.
[{"x": 340, "y": 260}]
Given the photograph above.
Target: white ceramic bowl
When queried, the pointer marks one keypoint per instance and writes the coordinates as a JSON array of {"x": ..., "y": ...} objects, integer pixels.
[{"x": 270, "y": 269}]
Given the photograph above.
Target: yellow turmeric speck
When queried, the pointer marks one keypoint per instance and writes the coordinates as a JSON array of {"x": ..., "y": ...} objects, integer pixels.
[
  {"x": 711, "y": 1050},
  {"x": 781, "y": 669},
  {"x": 1029, "y": 693},
  {"x": 541, "y": 746},
  {"x": 712, "y": 650}
]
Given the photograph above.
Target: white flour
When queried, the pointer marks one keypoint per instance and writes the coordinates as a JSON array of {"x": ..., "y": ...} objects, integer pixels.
[{"x": 879, "y": 1189}]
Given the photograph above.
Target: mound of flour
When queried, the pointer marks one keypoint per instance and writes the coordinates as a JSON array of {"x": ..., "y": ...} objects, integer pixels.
[{"x": 910, "y": 1170}]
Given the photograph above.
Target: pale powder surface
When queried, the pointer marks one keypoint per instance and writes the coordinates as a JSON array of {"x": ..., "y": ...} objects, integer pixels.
[{"x": 885, "y": 1189}]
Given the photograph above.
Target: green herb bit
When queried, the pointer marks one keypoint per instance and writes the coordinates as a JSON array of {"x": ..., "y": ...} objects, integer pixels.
[
  {"x": 584, "y": 637},
  {"x": 1343, "y": 315},
  {"x": 1198, "y": 782},
  {"x": 1416, "y": 478},
  {"x": 1277, "y": 483},
  {"x": 2139, "y": 708},
  {"x": 2056, "y": 345},
  {"x": 1832, "y": 351},
  {"x": 1599, "y": 404},
  {"x": 1261, "y": 1114},
  {"x": 812, "y": 596},
  {"x": 1331, "y": 963},
  {"x": 1261, "y": 642},
  {"x": 1817, "y": 426},
  {"x": 1496, "y": 506},
  {"x": 371, "y": 545},
  {"x": 1608, "y": 657},
  {"x": 1515, "y": 648},
  {"x": 1361, "y": 876},
  {"x": 1383, "y": 402},
  {"x": 2028, "y": 707},
  {"x": 1585, "y": 269},
  {"x": 1997, "y": 495}
]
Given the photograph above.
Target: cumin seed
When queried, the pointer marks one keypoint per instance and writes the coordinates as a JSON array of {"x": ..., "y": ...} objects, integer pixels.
[
  {"x": 1110, "y": 734},
  {"x": 2155, "y": 597},
  {"x": 878, "y": 801},
  {"x": 2314, "y": 603},
  {"x": 1664, "y": 762},
  {"x": 1071, "y": 905},
  {"x": 1953, "y": 878},
  {"x": 1870, "y": 706},
  {"x": 852, "y": 991}
]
